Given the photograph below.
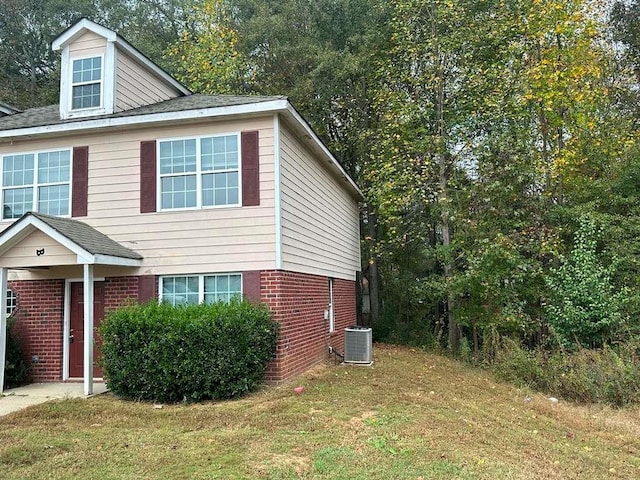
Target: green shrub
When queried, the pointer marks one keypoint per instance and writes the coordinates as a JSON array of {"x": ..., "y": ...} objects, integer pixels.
[
  {"x": 158, "y": 352},
  {"x": 16, "y": 370},
  {"x": 518, "y": 366},
  {"x": 607, "y": 375}
]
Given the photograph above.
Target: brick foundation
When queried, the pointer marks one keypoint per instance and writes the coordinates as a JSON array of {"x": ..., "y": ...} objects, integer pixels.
[{"x": 297, "y": 301}]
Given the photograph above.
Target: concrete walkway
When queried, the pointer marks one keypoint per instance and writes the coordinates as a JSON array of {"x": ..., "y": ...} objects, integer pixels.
[{"x": 22, "y": 397}]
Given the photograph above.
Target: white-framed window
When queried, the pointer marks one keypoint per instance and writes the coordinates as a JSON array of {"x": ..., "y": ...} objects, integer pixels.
[
  {"x": 12, "y": 302},
  {"x": 38, "y": 181},
  {"x": 193, "y": 289},
  {"x": 86, "y": 82},
  {"x": 332, "y": 321},
  {"x": 199, "y": 172}
]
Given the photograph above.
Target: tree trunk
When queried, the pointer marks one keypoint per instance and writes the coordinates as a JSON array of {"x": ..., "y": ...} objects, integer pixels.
[
  {"x": 443, "y": 180},
  {"x": 373, "y": 276}
]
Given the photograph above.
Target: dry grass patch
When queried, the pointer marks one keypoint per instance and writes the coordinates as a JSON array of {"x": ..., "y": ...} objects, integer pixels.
[{"x": 412, "y": 415}]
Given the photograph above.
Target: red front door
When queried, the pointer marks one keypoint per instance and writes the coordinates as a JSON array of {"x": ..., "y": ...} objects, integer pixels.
[{"x": 76, "y": 325}]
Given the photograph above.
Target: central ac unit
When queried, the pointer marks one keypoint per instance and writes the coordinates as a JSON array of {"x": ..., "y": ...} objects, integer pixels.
[{"x": 357, "y": 345}]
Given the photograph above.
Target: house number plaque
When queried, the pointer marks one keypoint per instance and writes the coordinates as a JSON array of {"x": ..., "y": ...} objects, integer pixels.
[{"x": 40, "y": 252}]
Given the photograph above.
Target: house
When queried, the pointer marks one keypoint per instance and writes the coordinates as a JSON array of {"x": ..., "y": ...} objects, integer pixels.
[{"x": 132, "y": 188}]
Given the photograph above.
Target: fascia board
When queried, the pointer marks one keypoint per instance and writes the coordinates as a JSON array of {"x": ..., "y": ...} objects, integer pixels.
[
  {"x": 140, "y": 58},
  {"x": 17, "y": 232},
  {"x": 152, "y": 118},
  {"x": 75, "y": 31},
  {"x": 293, "y": 114}
]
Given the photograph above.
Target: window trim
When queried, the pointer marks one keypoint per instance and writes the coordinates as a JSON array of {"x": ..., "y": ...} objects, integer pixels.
[
  {"x": 198, "y": 172},
  {"x": 84, "y": 111},
  {"x": 200, "y": 276},
  {"x": 35, "y": 184},
  {"x": 12, "y": 297},
  {"x": 108, "y": 79}
]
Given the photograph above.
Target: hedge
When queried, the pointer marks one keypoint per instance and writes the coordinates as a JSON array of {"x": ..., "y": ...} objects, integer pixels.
[
  {"x": 16, "y": 370},
  {"x": 158, "y": 352}
]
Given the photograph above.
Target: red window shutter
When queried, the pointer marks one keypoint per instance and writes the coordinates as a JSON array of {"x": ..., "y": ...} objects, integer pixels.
[
  {"x": 80, "y": 182},
  {"x": 251, "y": 285},
  {"x": 250, "y": 169},
  {"x": 146, "y": 288},
  {"x": 148, "y": 176}
]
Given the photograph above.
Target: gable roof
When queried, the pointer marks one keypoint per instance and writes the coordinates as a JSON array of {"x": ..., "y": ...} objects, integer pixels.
[
  {"x": 46, "y": 120},
  {"x": 85, "y": 25},
  {"x": 90, "y": 245},
  {"x": 50, "y": 115}
]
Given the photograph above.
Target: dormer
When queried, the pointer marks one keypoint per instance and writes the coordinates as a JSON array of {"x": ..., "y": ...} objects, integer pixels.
[{"x": 101, "y": 73}]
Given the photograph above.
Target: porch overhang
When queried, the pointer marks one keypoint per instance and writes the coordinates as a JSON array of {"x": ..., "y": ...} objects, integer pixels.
[
  {"x": 73, "y": 242},
  {"x": 90, "y": 246}
]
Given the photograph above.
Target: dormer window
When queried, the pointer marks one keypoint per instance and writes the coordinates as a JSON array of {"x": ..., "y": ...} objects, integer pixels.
[{"x": 86, "y": 83}]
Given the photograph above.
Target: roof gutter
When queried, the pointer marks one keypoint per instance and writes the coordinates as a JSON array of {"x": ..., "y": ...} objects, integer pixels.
[{"x": 272, "y": 106}]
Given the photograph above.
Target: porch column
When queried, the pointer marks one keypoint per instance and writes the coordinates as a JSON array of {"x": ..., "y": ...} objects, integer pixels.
[
  {"x": 3, "y": 323},
  {"x": 88, "y": 328}
]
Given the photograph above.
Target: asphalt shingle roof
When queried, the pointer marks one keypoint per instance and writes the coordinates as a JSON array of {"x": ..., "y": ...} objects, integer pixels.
[
  {"x": 50, "y": 115},
  {"x": 85, "y": 236}
]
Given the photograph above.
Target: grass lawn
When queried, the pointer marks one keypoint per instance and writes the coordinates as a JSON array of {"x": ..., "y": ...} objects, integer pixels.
[{"x": 412, "y": 415}]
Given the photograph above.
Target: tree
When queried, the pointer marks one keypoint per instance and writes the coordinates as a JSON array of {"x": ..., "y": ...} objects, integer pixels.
[
  {"x": 206, "y": 55},
  {"x": 29, "y": 71},
  {"x": 584, "y": 308},
  {"x": 27, "y": 65}
]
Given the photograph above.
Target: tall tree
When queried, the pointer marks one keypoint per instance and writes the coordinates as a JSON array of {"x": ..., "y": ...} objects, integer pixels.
[{"x": 27, "y": 64}]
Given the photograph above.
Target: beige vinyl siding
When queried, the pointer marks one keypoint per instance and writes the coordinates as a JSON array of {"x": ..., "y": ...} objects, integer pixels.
[
  {"x": 24, "y": 254},
  {"x": 208, "y": 240},
  {"x": 136, "y": 86},
  {"x": 87, "y": 45},
  {"x": 320, "y": 219}
]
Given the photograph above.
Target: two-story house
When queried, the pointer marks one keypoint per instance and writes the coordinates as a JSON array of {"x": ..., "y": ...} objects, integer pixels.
[{"x": 133, "y": 188}]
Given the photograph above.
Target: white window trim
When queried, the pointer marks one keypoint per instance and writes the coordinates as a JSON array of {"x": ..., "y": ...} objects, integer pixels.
[
  {"x": 107, "y": 81},
  {"x": 92, "y": 82},
  {"x": 35, "y": 183},
  {"x": 13, "y": 297},
  {"x": 198, "y": 173},
  {"x": 332, "y": 320},
  {"x": 200, "y": 282}
]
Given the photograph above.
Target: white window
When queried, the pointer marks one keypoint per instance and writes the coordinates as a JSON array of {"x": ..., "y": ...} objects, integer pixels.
[
  {"x": 38, "y": 182},
  {"x": 12, "y": 301},
  {"x": 86, "y": 83},
  {"x": 332, "y": 322},
  {"x": 199, "y": 172},
  {"x": 193, "y": 289}
]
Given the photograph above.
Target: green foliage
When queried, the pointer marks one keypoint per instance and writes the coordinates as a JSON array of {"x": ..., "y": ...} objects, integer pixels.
[
  {"x": 606, "y": 375},
  {"x": 16, "y": 370},
  {"x": 158, "y": 352},
  {"x": 584, "y": 307},
  {"x": 206, "y": 58}
]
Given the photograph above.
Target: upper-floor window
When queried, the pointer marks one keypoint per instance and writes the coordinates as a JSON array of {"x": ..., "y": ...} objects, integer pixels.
[
  {"x": 199, "y": 172},
  {"x": 86, "y": 83},
  {"x": 196, "y": 289},
  {"x": 37, "y": 182}
]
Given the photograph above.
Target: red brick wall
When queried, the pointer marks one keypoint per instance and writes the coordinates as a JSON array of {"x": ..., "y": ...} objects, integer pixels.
[
  {"x": 120, "y": 291},
  {"x": 298, "y": 302},
  {"x": 40, "y": 319},
  {"x": 39, "y": 323}
]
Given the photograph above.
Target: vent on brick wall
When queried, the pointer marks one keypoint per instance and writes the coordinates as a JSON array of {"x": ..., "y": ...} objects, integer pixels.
[{"x": 357, "y": 345}]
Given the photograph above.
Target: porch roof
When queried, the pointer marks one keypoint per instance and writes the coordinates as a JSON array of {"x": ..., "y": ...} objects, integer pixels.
[{"x": 90, "y": 245}]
